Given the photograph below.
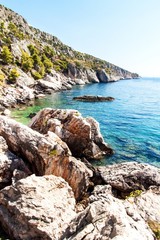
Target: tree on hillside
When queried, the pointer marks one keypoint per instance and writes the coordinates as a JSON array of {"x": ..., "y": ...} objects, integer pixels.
[
  {"x": 6, "y": 55},
  {"x": 14, "y": 74},
  {"x": 26, "y": 62}
]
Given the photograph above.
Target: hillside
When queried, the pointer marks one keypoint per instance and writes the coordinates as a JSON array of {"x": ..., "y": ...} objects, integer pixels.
[{"x": 39, "y": 61}]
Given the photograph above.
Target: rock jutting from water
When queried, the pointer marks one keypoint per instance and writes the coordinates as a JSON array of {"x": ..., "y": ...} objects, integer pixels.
[
  {"x": 89, "y": 98},
  {"x": 46, "y": 154},
  {"x": 82, "y": 135},
  {"x": 46, "y": 193}
]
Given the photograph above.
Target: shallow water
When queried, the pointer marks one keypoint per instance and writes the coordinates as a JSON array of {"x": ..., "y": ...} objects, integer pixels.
[{"x": 130, "y": 124}]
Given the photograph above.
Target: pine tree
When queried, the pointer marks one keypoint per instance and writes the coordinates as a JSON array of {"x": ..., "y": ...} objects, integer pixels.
[{"x": 6, "y": 55}]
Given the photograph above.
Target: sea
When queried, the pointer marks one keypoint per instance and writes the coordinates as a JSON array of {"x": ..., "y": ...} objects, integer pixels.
[{"x": 130, "y": 124}]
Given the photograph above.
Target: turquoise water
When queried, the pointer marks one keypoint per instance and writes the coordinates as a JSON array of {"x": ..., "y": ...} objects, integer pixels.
[{"x": 130, "y": 124}]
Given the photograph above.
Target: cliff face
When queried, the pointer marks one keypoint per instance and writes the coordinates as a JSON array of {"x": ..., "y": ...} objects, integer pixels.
[
  {"x": 37, "y": 53},
  {"x": 34, "y": 62}
]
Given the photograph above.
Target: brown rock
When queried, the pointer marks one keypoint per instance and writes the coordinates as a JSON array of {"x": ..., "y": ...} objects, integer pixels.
[
  {"x": 46, "y": 154},
  {"x": 89, "y": 98},
  {"x": 82, "y": 135}
]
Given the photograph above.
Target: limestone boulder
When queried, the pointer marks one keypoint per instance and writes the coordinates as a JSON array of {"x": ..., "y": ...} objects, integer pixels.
[
  {"x": 107, "y": 217},
  {"x": 103, "y": 76},
  {"x": 79, "y": 81},
  {"x": 130, "y": 176},
  {"x": 24, "y": 79},
  {"x": 45, "y": 84},
  {"x": 11, "y": 96},
  {"x": 37, "y": 208},
  {"x": 6, "y": 112},
  {"x": 9, "y": 165},
  {"x": 148, "y": 204},
  {"x": 46, "y": 154},
  {"x": 82, "y": 135},
  {"x": 91, "y": 76}
]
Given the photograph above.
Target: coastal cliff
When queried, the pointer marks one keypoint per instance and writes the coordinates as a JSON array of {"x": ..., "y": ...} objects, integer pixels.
[{"x": 33, "y": 62}]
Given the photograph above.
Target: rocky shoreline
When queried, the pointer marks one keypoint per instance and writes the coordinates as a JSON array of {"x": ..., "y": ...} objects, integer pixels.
[
  {"x": 26, "y": 89},
  {"x": 49, "y": 190}
]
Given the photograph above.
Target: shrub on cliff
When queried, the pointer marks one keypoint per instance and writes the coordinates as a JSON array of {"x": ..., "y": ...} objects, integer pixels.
[
  {"x": 6, "y": 55},
  {"x": 36, "y": 75},
  {"x": 15, "y": 31},
  {"x": 47, "y": 63},
  {"x": 1, "y": 79},
  {"x": 26, "y": 62},
  {"x": 48, "y": 51},
  {"x": 14, "y": 74},
  {"x": 33, "y": 50}
]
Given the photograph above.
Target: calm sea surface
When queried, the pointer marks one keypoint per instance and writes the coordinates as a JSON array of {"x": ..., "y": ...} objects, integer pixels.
[{"x": 130, "y": 124}]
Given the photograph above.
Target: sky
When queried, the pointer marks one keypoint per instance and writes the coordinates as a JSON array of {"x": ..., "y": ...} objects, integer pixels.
[{"x": 123, "y": 32}]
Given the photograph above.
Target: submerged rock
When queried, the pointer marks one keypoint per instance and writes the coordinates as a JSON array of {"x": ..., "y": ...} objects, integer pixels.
[
  {"x": 37, "y": 208},
  {"x": 89, "y": 98},
  {"x": 82, "y": 135},
  {"x": 46, "y": 154}
]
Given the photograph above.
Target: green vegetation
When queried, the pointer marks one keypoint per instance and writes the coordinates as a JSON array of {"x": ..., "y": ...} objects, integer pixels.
[
  {"x": 155, "y": 227},
  {"x": 14, "y": 74},
  {"x": 6, "y": 55},
  {"x": 15, "y": 31},
  {"x": 47, "y": 63},
  {"x": 135, "y": 193},
  {"x": 48, "y": 51},
  {"x": 2, "y": 77},
  {"x": 26, "y": 62},
  {"x": 36, "y": 75},
  {"x": 53, "y": 153},
  {"x": 33, "y": 50},
  {"x": 2, "y": 27}
]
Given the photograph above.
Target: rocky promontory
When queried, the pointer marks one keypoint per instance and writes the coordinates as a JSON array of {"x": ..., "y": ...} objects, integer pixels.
[
  {"x": 82, "y": 135},
  {"x": 48, "y": 193},
  {"x": 33, "y": 63}
]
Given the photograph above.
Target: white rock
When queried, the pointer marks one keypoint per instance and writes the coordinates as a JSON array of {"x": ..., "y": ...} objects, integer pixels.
[{"x": 37, "y": 208}]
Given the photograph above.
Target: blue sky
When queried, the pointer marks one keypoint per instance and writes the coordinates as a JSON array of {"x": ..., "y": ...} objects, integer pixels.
[{"x": 123, "y": 32}]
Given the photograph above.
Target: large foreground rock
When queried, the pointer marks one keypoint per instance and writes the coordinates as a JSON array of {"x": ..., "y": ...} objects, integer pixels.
[
  {"x": 37, "y": 208},
  {"x": 46, "y": 154},
  {"x": 82, "y": 135},
  {"x": 10, "y": 166},
  {"x": 108, "y": 218}
]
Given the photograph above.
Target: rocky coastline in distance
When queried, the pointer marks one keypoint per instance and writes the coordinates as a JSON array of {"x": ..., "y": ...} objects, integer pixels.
[{"x": 34, "y": 63}]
